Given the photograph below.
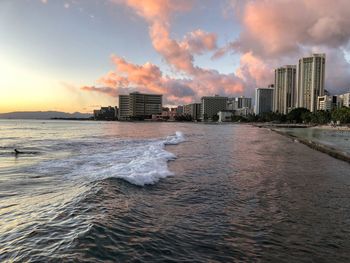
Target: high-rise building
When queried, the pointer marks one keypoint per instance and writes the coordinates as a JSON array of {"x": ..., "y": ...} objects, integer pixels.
[
  {"x": 311, "y": 78},
  {"x": 284, "y": 89},
  {"x": 264, "y": 100},
  {"x": 123, "y": 107},
  {"x": 211, "y": 105},
  {"x": 139, "y": 106},
  {"x": 194, "y": 110}
]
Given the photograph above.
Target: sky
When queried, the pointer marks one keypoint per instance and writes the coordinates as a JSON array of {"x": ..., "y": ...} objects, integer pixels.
[{"x": 78, "y": 55}]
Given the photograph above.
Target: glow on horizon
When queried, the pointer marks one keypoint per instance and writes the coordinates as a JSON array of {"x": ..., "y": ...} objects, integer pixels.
[
  {"x": 25, "y": 89},
  {"x": 56, "y": 55}
]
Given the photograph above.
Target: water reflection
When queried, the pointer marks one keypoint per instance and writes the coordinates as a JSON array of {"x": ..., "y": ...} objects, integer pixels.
[{"x": 238, "y": 193}]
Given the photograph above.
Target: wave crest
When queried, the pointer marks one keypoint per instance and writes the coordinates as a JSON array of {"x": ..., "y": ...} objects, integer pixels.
[{"x": 138, "y": 162}]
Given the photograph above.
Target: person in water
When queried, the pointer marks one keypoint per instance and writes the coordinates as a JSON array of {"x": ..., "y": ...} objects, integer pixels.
[{"x": 17, "y": 152}]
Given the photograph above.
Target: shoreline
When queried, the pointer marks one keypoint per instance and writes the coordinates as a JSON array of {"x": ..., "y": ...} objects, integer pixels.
[{"x": 317, "y": 146}]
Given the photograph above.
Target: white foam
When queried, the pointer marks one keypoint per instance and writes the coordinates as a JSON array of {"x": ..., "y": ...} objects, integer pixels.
[{"x": 138, "y": 162}]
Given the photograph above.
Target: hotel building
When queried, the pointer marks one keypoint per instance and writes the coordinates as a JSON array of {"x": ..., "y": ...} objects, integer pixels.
[
  {"x": 194, "y": 110},
  {"x": 311, "y": 78},
  {"x": 211, "y": 105},
  {"x": 284, "y": 90},
  {"x": 139, "y": 106},
  {"x": 264, "y": 100}
]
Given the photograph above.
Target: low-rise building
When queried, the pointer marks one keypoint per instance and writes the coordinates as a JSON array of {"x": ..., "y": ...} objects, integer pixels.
[
  {"x": 106, "y": 113},
  {"x": 244, "y": 112},
  {"x": 225, "y": 116},
  {"x": 344, "y": 100},
  {"x": 193, "y": 110},
  {"x": 168, "y": 114},
  {"x": 243, "y": 102},
  {"x": 326, "y": 103},
  {"x": 232, "y": 104},
  {"x": 179, "y": 110}
]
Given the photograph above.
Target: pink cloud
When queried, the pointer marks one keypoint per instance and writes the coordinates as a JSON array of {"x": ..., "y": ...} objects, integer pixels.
[
  {"x": 273, "y": 28},
  {"x": 107, "y": 90},
  {"x": 199, "y": 41},
  {"x": 280, "y": 32},
  {"x": 273, "y": 33},
  {"x": 179, "y": 54},
  {"x": 253, "y": 71}
]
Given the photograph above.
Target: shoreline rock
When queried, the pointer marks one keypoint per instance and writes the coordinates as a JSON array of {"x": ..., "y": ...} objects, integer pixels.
[{"x": 317, "y": 146}]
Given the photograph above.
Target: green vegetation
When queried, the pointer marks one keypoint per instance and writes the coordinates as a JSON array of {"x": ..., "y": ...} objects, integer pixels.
[
  {"x": 300, "y": 115},
  {"x": 215, "y": 117},
  {"x": 185, "y": 117},
  {"x": 342, "y": 115}
]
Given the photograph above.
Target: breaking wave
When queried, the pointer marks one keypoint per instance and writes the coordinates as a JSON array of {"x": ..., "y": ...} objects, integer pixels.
[{"x": 139, "y": 162}]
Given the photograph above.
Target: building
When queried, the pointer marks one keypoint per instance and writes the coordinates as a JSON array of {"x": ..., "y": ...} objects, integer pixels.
[
  {"x": 232, "y": 104},
  {"x": 225, "y": 116},
  {"x": 326, "y": 103},
  {"x": 284, "y": 95},
  {"x": 180, "y": 110},
  {"x": 106, "y": 113},
  {"x": 139, "y": 106},
  {"x": 211, "y": 105},
  {"x": 116, "y": 112},
  {"x": 243, "y": 102},
  {"x": 193, "y": 110},
  {"x": 123, "y": 107},
  {"x": 344, "y": 100},
  {"x": 311, "y": 78},
  {"x": 264, "y": 100},
  {"x": 244, "y": 112}
]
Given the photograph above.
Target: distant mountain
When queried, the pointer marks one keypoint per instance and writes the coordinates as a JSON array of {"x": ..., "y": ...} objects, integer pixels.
[{"x": 42, "y": 115}]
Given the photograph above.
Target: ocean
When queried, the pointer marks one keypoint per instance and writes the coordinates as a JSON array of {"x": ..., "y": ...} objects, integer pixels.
[
  {"x": 332, "y": 137},
  {"x": 168, "y": 192}
]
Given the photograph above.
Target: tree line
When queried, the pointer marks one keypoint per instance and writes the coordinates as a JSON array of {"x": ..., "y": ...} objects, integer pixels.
[{"x": 300, "y": 115}]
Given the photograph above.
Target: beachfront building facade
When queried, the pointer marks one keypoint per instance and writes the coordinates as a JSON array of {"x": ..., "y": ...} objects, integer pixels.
[
  {"x": 211, "y": 105},
  {"x": 344, "y": 100},
  {"x": 232, "y": 104},
  {"x": 193, "y": 110},
  {"x": 284, "y": 89},
  {"x": 326, "y": 102},
  {"x": 139, "y": 106},
  {"x": 225, "y": 116},
  {"x": 311, "y": 78},
  {"x": 264, "y": 100},
  {"x": 106, "y": 113},
  {"x": 243, "y": 102}
]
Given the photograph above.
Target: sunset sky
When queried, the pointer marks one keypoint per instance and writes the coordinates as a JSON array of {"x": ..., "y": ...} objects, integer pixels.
[{"x": 77, "y": 55}]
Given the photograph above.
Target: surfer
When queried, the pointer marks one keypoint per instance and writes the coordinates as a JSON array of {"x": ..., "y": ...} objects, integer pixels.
[{"x": 18, "y": 152}]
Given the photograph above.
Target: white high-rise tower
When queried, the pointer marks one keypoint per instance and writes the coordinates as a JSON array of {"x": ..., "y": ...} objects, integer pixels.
[
  {"x": 311, "y": 77},
  {"x": 285, "y": 87}
]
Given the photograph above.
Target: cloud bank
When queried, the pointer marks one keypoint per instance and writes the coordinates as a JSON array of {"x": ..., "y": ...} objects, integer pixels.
[
  {"x": 279, "y": 32},
  {"x": 273, "y": 33}
]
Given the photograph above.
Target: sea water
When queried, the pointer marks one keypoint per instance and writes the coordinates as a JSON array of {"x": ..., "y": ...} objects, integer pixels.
[
  {"x": 154, "y": 192},
  {"x": 333, "y": 137}
]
